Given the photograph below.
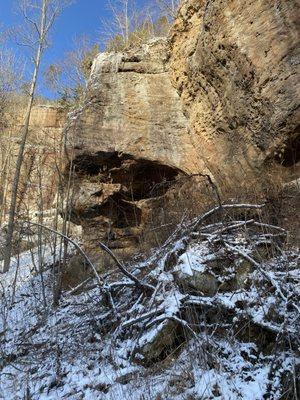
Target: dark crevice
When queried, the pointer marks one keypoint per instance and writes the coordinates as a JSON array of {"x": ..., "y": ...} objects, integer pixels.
[
  {"x": 92, "y": 165},
  {"x": 289, "y": 155},
  {"x": 121, "y": 213},
  {"x": 146, "y": 180},
  {"x": 138, "y": 179}
]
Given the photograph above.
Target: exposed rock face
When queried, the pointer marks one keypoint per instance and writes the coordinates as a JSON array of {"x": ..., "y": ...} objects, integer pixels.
[
  {"x": 235, "y": 66},
  {"x": 39, "y": 173},
  {"x": 131, "y": 144},
  {"x": 132, "y": 108},
  {"x": 47, "y": 116},
  {"x": 219, "y": 98}
]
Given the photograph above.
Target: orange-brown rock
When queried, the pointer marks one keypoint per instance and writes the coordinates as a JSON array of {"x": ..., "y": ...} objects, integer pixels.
[
  {"x": 218, "y": 98},
  {"x": 235, "y": 66},
  {"x": 132, "y": 108},
  {"x": 38, "y": 185},
  {"x": 129, "y": 143}
]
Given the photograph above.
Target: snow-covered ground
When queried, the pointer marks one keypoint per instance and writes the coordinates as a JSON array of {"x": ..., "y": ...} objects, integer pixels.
[{"x": 237, "y": 343}]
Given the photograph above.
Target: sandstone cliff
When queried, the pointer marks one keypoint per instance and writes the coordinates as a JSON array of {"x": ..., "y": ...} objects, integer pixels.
[
  {"x": 167, "y": 131},
  {"x": 39, "y": 173},
  {"x": 129, "y": 143},
  {"x": 235, "y": 67},
  {"x": 218, "y": 98}
]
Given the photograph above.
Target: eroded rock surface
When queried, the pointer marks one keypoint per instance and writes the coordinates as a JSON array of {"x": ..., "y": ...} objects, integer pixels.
[
  {"x": 115, "y": 195},
  {"x": 235, "y": 65},
  {"x": 218, "y": 98},
  {"x": 41, "y": 157},
  {"x": 131, "y": 144},
  {"x": 132, "y": 108}
]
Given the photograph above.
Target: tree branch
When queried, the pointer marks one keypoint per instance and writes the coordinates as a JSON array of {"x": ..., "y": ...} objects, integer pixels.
[{"x": 144, "y": 286}]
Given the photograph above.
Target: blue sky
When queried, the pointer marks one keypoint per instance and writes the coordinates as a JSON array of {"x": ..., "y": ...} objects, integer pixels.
[{"x": 82, "y": 17}]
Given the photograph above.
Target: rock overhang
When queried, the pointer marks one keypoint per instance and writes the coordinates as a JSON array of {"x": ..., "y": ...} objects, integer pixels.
[{"x": 185, "y": 105}]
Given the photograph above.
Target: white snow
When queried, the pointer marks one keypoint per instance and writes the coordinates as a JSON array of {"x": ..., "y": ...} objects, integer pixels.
[
  {"x": 194, "y": 259},
  {"x": 71, "y": 352}
]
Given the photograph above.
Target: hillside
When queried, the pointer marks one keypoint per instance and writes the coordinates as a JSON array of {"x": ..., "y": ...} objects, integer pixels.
[{"x": 156, "y": 246}]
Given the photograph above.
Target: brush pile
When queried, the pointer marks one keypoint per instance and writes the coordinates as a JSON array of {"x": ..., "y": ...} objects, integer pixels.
[{"x": 212, "y": 314}]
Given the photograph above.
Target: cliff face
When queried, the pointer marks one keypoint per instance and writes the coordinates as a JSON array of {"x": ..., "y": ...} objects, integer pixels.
[
  {"x": 131, "y": 142},
  {"x": 219, "y": 98},
  {"x": 132, "y": 108},
  {"x": 235, "y": 67},
  {"x": 39, "y": 174}
]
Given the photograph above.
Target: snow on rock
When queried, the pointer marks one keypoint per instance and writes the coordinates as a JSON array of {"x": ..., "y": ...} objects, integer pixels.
[
  {"x": 194, "y": 259},
  {"x": 238, "y": 343}
]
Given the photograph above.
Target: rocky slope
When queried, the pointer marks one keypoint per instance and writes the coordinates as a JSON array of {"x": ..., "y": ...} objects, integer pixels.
[
  {"x": 212, "y": 314},
  {"x": 219, "y": 98}
]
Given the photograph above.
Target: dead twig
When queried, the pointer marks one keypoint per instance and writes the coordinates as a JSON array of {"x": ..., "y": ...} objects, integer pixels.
[
  {"x": 145, "y": 286},
  {"x": 104, "y": 287},
  {"x": 238, "y": 224},
  {"x": 76, "y": 245},
  {"x": 258, "y": 266},
  {"x": 78, "y": 287},
  {"x": 212, "y": 184},
  {"x": 209, "y": 213},
  {"x": 195, "y": 224},
  {"x": 274, "y": 227},
  {"x": 142, "y": 317}
]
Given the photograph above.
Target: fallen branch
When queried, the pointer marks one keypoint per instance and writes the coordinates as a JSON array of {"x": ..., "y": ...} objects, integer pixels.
[
  {"x": 142, "y": 317},
  {"x": 104, "y": 288},
  {"x": 258, "y": 266},
  {"x": 277, "y": 228},
  {"x": 190, "y": 229},
  {"x": 78, "y": 287},
  {"x": 238, "y": 224},
  {"x": 116, "y": 285},
  {"x": 76, "y": 245},
  {"x": 144, "y": 286},
  {"x": 209, "y": 213}
]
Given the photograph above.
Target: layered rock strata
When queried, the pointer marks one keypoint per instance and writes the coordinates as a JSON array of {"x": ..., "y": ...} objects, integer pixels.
[
  {"x": 218, "y": 99},
  {"x": 236, "y": 67},
  {"x": 129, "y": 145},
  {"x": 38, "y": 183}
]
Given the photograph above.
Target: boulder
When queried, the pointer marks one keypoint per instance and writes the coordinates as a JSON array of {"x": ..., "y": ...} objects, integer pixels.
[{"x": 158, "y": 342}]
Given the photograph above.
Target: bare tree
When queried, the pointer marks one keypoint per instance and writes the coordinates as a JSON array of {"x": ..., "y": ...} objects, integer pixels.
[
  {"x": 38, "y": 16},
  {"x": 11, "y": 79},
  {"x": 68, "y": 77},
  {"x": 169, "y": 7},
  {"x": 131, "y": 24},
  {"x": 11, "y": 73},
  {"x": 128, "y": 23},
  {"x": 122, "y": 14}
]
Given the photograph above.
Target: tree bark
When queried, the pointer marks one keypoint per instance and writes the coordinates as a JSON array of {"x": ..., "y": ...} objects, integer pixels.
[{"x": 16, "y": 181}]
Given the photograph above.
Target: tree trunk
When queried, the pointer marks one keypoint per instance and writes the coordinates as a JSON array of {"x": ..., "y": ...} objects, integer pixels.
[{"x": 16, "y": 181}]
